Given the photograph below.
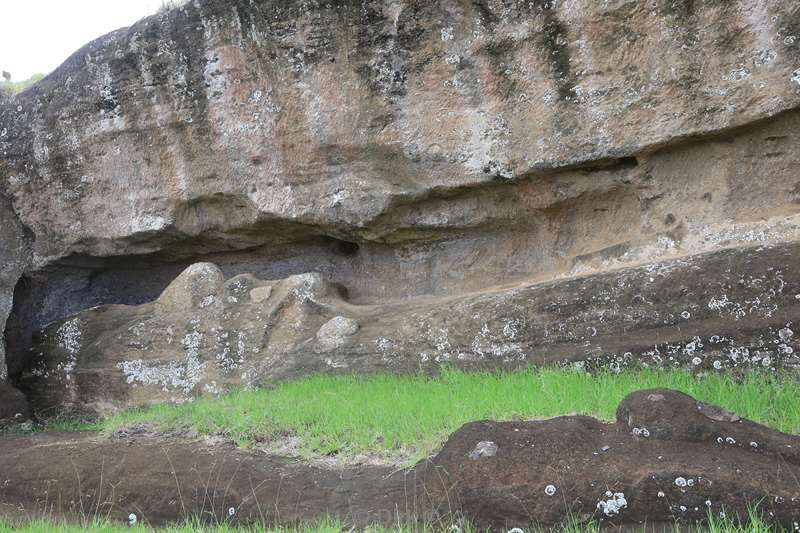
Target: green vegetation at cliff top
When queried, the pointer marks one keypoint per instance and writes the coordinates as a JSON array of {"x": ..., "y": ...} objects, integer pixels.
[{"x": 15, "y": 87}]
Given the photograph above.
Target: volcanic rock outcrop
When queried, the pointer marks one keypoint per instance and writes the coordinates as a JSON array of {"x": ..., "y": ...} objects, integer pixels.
[
  {"x": 710, "y": 312},
  {"x": 667, "y": 457},
  {"x": 405, "y": 151},
  {"x": 234, "y": 192}
]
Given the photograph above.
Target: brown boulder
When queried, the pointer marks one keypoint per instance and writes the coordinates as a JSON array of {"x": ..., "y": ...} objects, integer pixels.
[
  {"x": 668, "y": 457},
  {"x": 673, "y": 416}
]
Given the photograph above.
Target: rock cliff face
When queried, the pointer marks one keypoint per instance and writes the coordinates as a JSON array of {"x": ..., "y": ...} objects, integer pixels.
[
  {"x": 15, "y": 254},
  {"x": 412, "y": 152},
  {"x": 733, "y": 309}
]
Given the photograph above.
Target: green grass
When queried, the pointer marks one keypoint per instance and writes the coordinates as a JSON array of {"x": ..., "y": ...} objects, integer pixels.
[
  {"x": 715, "y": 525},
  {"x": 409, "y": 416},
  {"x": 412, "y": 415},
  {"x": 103, "y": 526}
]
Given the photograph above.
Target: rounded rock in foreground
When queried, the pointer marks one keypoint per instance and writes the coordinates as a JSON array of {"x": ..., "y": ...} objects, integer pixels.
[{"x": 682, "y": 464}]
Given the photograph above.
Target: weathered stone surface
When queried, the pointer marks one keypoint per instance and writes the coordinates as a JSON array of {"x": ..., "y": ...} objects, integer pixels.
[
  {"x": 159, "y": 480},
  {"x": 661, "y": 460},
  {"x": 15, "y": 254},
  {"x": 221, "y": 118},
  {"x": 711, "y": 312},
  {"x": 203, "y": 335},
  {"x": 402, "y": 149},
  {"x": 14, "y": 258},
  {"x": 235, "y": 192},
  {"x": 333, "y": 334}
]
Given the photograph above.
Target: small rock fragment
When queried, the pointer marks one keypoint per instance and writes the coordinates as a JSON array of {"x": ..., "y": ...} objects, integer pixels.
[
  {"x": 484, "y": 448},
  {"x": 259, "y": 294}
]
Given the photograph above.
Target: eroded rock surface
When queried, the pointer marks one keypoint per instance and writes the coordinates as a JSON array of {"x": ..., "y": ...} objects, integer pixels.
[
  {"x": 203, "y": 335},
  {"x": 733, "y": 309},
  {"x": 220, "y": 118},
  {"x": 401, "y": 149},
  {"x": 235, "y": 192},
  {"x": 15, "y": 256},
  {"x": 663, "y": 459}
]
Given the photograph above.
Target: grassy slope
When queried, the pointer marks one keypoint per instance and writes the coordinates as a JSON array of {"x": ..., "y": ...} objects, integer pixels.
[
  {"x": 350, "y": 415},
  {"x": 414, "y": 414}
]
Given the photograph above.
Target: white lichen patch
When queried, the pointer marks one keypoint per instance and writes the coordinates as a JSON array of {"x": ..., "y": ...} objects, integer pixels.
[
  {"x": 612, "y": 503},
  {"x": 68, "y": 336},
  {"x": 183, "y": 376},
  {"x": 212, "y": 388},
  {"x": 225, "y": 360},
  {"x": 386, "y": 347},
  {"x": 308, "y": 285},
  {"x": 148, "y": 223},
  {"x": 738, "y": 74},
  {"x": 174, "y": 376},
  {"x": 488, "y": 345}
]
